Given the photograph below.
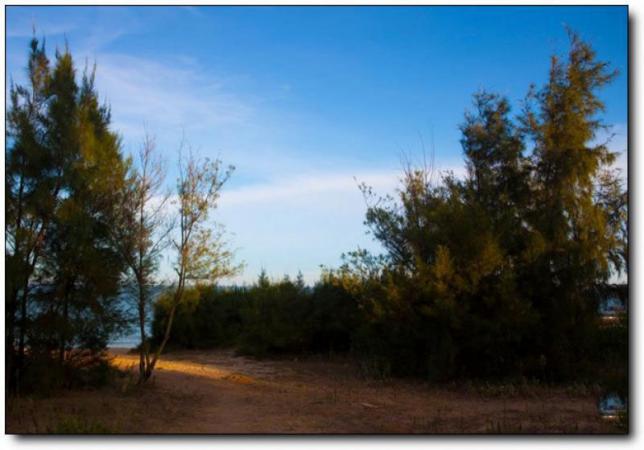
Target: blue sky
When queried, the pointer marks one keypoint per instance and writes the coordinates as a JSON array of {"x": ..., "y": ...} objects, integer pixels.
[{"x": 304, "y": 101}]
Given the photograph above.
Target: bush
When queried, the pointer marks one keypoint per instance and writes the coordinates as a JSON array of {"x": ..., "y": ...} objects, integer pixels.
[
  {"x": 268, "y": 318},
  {"x": 392, "y": 326},
  {"x": 44, "y": 374},
  {"x": 208, "y": 317}
]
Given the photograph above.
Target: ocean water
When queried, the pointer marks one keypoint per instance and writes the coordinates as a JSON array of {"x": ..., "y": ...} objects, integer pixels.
[
  {"x": 132, "y": 337},
  {"x": 129, "y": 340}
]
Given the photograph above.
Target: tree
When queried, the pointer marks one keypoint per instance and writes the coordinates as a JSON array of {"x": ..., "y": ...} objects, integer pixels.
[
  {"x": 201, "y": 253},
  {"x": 299, "y": 281},
  {"x": 613, "y": 200},
  {"x": 498, "y": 172},
  {"x": 82, "y": 265},
  {"x": 64, "y": 168},
  {"x": 32, "y": 183},
  {"x": 143, "y": 235},
  {"x": 575, "y": 229},
  {"x": 499, "y": 272}
]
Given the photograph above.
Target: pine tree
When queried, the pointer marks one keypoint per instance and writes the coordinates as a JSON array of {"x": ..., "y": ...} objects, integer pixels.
[
  {"x": 32, "y": 182},
  {"x": 500, "y": 272},
  {"x": 82, "y": 264},
  {"x": 64, "y": 173},
  {"x": 571, "y": 224}
]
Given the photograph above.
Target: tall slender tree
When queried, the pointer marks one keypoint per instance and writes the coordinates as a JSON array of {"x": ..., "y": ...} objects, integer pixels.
[
  {"x": 32, "y": 183},
  {"x": 574, "y": 227},
  {"x": 143, "y": 234},
  {"x": 202, "y": 256}
]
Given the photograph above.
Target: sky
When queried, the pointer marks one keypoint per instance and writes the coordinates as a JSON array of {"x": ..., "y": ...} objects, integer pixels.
[{"x": 307, "y": 102}]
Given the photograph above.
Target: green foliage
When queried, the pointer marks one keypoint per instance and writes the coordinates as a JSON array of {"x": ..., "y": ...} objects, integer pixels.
[
  {"x": 64, "y": 174},
  {"x": 207, "y": 317},
  {"x": 497, "y": 274},
  {"x": 267, "y": 318},
  {"x": 494, "y": 276},
  {"x": 202, "y": 256},
  {"x": 272, "y": 320},
  {"x": 43, "y": 375},
  {"x": 580, "y": 241}
]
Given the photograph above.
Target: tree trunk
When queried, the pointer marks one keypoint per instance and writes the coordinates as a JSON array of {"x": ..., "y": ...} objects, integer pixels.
[
  {"x": 10, "y": 349},
  {"x": 21, "y": 337},
  {"x": 166, "y": 336},
  {"x": 143, "y": 350},
  {"x": 63, "y": 331}
]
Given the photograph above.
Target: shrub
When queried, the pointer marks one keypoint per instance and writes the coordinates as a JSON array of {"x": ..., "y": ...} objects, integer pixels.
[{"x": 267, "y": 318}]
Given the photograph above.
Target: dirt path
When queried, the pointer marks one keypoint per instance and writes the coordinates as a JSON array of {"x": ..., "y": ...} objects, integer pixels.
[{"x": 216, "y": 392}]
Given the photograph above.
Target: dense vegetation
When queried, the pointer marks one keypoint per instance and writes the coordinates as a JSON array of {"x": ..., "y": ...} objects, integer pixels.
[
  {"x": 63, "y": 175},
  {"x": 267, "y": 318},
  {"x": 494, "y": 275},
  {"x": 82, "y": 230}
]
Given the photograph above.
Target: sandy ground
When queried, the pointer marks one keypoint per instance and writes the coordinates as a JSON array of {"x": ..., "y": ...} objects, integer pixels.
[{"x": 217, "y": 392}]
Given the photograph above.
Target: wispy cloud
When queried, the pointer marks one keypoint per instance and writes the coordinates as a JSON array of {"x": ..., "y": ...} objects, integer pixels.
[
  {"x": 163, "y": 91},
  {"x": 96, "y": 34},
  {"x": 24, "y": 28},
  {"x": 301, "y": 222},
  {"x": 329, "y": 184},
  {"x": 303, "y": 187},
  {"x": 296, "y": 224},
  {"x": 172, "y": 93}
]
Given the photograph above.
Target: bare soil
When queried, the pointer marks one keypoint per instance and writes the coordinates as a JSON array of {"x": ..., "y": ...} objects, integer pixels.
[{"x": 218, "y": 392}]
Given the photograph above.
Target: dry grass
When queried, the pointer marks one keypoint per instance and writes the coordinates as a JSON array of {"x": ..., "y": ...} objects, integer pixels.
[{"x": 216, "y": 392}]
